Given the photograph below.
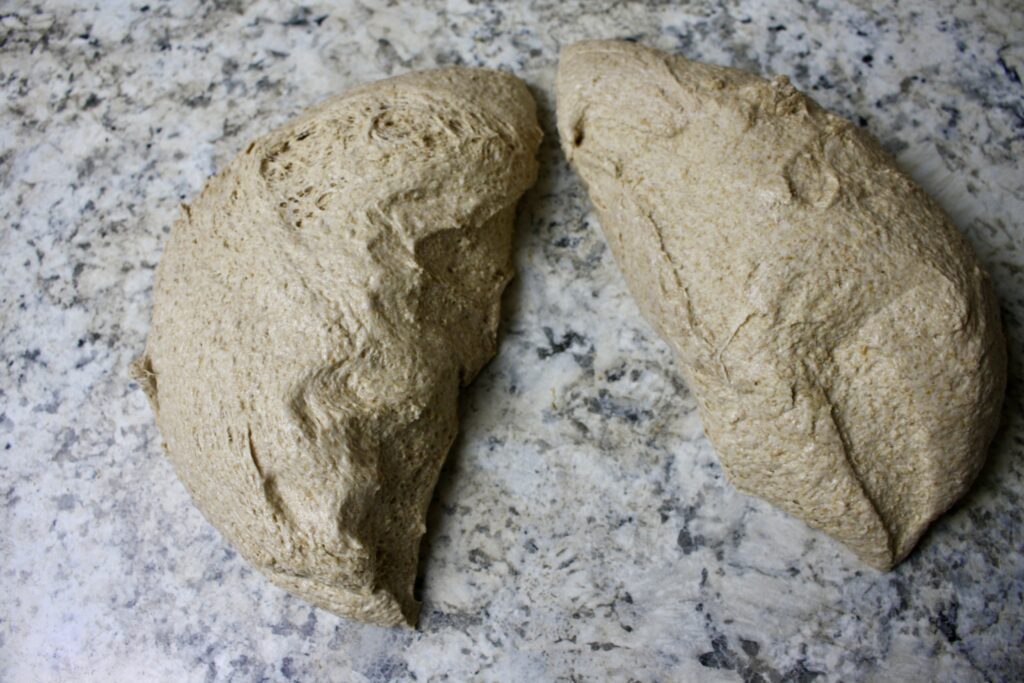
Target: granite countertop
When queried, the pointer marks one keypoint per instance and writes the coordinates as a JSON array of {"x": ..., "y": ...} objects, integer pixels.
[{"x": 582, "y": 529}]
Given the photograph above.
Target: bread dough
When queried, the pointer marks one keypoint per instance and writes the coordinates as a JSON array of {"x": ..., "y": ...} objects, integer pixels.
[
  {"x": 843, "y": 344},
  {"x": 316, "y": 311}
]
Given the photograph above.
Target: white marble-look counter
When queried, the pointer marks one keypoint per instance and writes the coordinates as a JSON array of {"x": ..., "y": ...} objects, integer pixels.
[{"x": 582, "y": 529}]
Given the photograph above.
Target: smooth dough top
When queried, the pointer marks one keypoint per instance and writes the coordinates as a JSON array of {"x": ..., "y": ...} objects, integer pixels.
[{"x": 842, "y": 342}]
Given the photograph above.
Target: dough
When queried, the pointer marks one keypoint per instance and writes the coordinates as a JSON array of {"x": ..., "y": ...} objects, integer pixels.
[
  {"x": 316, "y": 311},
  {"x": 842, "y": 342}
]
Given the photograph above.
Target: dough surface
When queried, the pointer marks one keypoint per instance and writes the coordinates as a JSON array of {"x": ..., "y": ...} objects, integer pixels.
[
  {"x": 316, "y": 311},
  {"x": 842, "y": 342}
]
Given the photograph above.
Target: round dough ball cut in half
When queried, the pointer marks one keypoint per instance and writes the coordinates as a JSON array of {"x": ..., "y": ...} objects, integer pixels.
[
  {"x": 842, "y": 342},
  {"x": 316, "y": 311}
]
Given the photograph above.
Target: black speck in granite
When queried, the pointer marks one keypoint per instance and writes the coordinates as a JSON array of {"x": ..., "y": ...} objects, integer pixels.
[
  {"x": 1010, "y": 71},
  {"x": 688, "y": 541},
  {"x": 720, "y": 656},
  {"x": 945, "y": 621},
  {"x": 568, "y": 339}
]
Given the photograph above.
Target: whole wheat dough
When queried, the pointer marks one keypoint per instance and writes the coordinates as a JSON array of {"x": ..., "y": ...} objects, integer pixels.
[
  {"x": 315, "y": 313},
  {"x": 842, "y": 342}
]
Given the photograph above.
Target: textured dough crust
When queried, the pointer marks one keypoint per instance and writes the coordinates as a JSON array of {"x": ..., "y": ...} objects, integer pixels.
[
  {"x": 842, "y": 342},
  {"x": 316, "y": 311}
]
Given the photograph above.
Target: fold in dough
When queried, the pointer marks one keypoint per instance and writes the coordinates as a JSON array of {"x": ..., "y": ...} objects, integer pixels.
[
  {"x": 842, "y": 342},
  {"x": 315, "y": 313}
]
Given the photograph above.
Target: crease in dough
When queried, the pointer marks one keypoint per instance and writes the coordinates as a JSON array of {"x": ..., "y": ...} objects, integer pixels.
[{"x": 316, "y": 311}]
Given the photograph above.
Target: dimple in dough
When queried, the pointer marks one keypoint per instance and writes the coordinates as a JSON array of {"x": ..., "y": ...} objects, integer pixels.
[
  {"x": 316, "y": 311},
  {"x": 841, "y": 340}
]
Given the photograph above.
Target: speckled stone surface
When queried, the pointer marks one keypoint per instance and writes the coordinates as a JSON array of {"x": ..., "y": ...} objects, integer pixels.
[{"x": 582, "y": 529}]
